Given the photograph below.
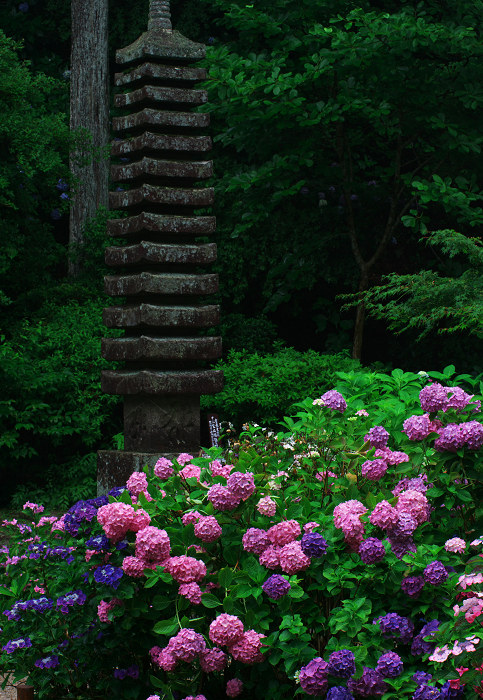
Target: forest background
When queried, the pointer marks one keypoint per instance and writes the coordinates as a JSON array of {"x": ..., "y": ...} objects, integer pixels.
[{"x": 347, "y": 160}]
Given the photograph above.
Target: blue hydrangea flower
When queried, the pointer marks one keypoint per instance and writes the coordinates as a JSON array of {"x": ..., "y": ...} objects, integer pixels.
[
  {"x": 19, "y": 643},
  {"x": 338, "y": 692},
  {"x": 313, "y": 544},
  {"x": 116, "y": 491},
  {"x": 109, "y": 575},
  {"x": 99, "y": 543},
  {"x": 47, "y": 662},
  {"x": 342, "y": 663},
  {"x": 70, "y": 599},
  {"x": 427, "y": 692}
]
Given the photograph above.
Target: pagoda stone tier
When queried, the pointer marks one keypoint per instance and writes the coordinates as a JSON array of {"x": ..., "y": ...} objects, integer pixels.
[{"x": 158, "y": 260}]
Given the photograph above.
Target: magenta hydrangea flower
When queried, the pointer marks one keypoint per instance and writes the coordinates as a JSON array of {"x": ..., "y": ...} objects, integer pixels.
[
  {"x": 212, "y": 660},
  {"x": 377, "y": 436},
  {"x": 384, "y": 515},
  {"x": 391, "y": 457},
  {"x": 284, "y": 532},
  {"x": 267, "y": 506},
  {"x": 414, "y": 503},
  {"x": 242, "y": 484},
  {"x": 417, "y": 427},
  {"x": 435, "y": 573},
  {"x": 334, "y": 400},
  {"x": 247, "y": 648},
  {"x": 255, "y": 540},
  {"x": 137, "y": 483},
  {"x": 234, "y": 687},
  {"x": 186, "y": 569},
  {"x": 152, "y": 545},
  {"x": 191, "y": 591},
  {"x": 140, "y": 520},
  {"x": 313, "y": 677},
  {"x": 190, "y": 471},
  {"x": 163, "y": 468},
  {"x": 292, "y": 558},
  {"x": 433, "y": 397},
  {"x": 186, "y": 645},
  {"x": 270, "y": 557},
  {"x": 184, "y": 458},
  {"x": 226, "y": 629},
  {"x": 207, "y": 528},
  {"x": 374, "y": 469},
  {"x": 371, "y": 550},
  {"x": 115, "y": 519},
  {"x": 191, "y": 517},
  {"x": 219, "y": 469},
  {"x": 133, "y": 566},
  {"x": 389, "y": 665},
  {"x": 104, "y": 608},
  {"x": 276, "y": 586},
  {"x": 222, "y": 498}
]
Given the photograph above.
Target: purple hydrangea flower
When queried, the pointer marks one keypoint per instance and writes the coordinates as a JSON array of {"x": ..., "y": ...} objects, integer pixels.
[
  {"x": 276, "y": 586},
  {"x": 389, "y": 665},
  {"x": 116, "y": 491},
  {"x": 377, "y": 436},
  {"x": 334, "y": 400},
  {"x": 433, "y": 397},
  {"x": 313, "y": 677},
  {"x": 400, "y": 546},
  {"x": 394, "y": 625},
  {"x": 426, "y": 692},
  {"x": 109, "y": 575},
  {"x": 338, "y": 692},
  {"x": 100, "y": 543},
  {"x": 417, "y": 427},
  {"x": 419, "y": 646},
  {"x": 313, "y": 544},
  {"x": 473, "y": 434},
  {"x": 342, "y": 663},
  {"x": 23, "y": 7},
  {"x": 435, "y": 573},
  {"x": 370, "y": 684},
  {"x": 412, "y": 585},
  {"x": 448, "y": 693},
  {"x": 19, "y": 643},
  {"x": 451, "y": 438},
  {"x": 371, "y": 550},
  {"x": 62, "y": 185},
  {"x": 70, "y": 599},
  {"x": 47, "y": 662},
  {"x": 78, "y": 514},
  {"x": 421, "y": 678}
]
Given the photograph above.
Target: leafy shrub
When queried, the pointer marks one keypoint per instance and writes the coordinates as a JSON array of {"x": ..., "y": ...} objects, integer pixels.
[
  {"x": 261, "y": 388},
  {"x": 368, "y": 543}
]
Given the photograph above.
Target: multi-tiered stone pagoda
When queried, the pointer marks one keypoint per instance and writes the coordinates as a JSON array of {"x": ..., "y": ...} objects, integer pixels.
[{"x": 157, "y": 158}]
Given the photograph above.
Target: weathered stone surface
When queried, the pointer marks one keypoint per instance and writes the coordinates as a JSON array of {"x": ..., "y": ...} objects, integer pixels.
[
  {"x": 134, "y": 316},
  {"x": 155, "y": 93},
  {"x": 161, "y": 423},
  {"x": 187, "y": 197},
  {"x": 161, "y": 223},
  {"x": 198, "y": 170},
  {"x": 148, "y": 348},
  {"x": 147, "y": 251},
  {"x": 162, "y": 43},
  {"x": 172, "y": 283},
  {"x": 150, "y": 381},
  {"x": 160, "y": 72},
  {"x": 150, "y": 117},
  {"x": 115, "y": 467},
  {"x": 160, "y": 142}
]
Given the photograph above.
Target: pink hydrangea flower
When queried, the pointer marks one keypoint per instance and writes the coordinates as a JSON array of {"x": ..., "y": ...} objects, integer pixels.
[
  {"x": 34, "y": 507},
  {"x": 270, "y": 557},
  {"x": 309, "y": 527},
  {"x": 190, "y": 471},
  {"x": 140, "y": 520},
  {"x": 207, "y": 528},
  {"x": 473, "y": 434},
  {"x": 352, "y": 507},
  {"x": 46, "y": 520},
  {"x": 255, "y": 540},
  {"x": 152, "y": 545},
  {"x": 293, "y": 559},
  {"x": 191, "y": 517},
  {"x": 414, "y": 503},
  {"x": 186, "y": 569},
  {"x": 374, "y": 469},
  {"x": 226, "y": 629},
  {"x": 234, "y": 688},
  {"x": 267, "y": 506},
  {"x": 377, "y": 436},
  {"x": 165, "y": 659},
  {"x": 384, "y": 515},
  {"x": 457, "y": 398},
  {"x": 455, "y": 544},
  {"x": 104, "y": 608},
  {"x": 186, "y": 645},
  {"x": 417, "y": 427},
  {"x": 391, "y": 457},
  {"x": 242, "y": 484},
  {"x": 433, "y": 397},
  {"x": 247, "y": 648},
  {"x": 284, "y": 532},
  {"x": 137, "y": 483},
  {"x": 362, "y": 412},
  {"x": 184, "y": 458},
  {"x": 153, "y": 697},
  {"x": 212, "y": 660},
  {"x": 219, "y": 469},
  {"x": 163, "y": 468},
  {"x": 191, "y": 591},
  {"x": 116, "y": 519},
  {"x": 222, "y": 498},
  {"x": 133, "y": 566}
]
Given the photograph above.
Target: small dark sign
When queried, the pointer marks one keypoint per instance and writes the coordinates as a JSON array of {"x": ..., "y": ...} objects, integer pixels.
[{"x": 214, "y": 429}]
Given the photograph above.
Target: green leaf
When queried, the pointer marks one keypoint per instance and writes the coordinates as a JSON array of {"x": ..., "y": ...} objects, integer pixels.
[
  {"x": 167, "y": 627},
  {"x": 225, "y": 577},
  {"x": 210, "y": 601}
]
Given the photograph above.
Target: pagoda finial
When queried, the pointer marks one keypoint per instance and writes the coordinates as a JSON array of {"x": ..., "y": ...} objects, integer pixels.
[{"x": 159, "y": 15}]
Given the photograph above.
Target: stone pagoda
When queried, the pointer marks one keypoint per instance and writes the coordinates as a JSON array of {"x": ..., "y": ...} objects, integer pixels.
[{"x": 157, "y": 158}]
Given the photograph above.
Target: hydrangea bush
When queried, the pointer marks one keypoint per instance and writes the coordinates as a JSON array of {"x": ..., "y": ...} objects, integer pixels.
[{"x": 339, "y": 558}]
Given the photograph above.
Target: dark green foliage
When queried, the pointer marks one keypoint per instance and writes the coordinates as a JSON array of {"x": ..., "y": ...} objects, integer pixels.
[
  {"x": 262, "y": 387},
  {"x": 241, "y": 333},
  {"x": 52, "y": 407}
]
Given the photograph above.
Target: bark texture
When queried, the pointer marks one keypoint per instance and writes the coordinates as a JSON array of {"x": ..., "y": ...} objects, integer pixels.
[{"x": 89, "y": 111}]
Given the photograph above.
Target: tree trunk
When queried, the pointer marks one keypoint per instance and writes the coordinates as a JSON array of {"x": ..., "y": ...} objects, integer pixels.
[
  {"x": 360, "y": 318},
  {"x": 89, "y": 110}
]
